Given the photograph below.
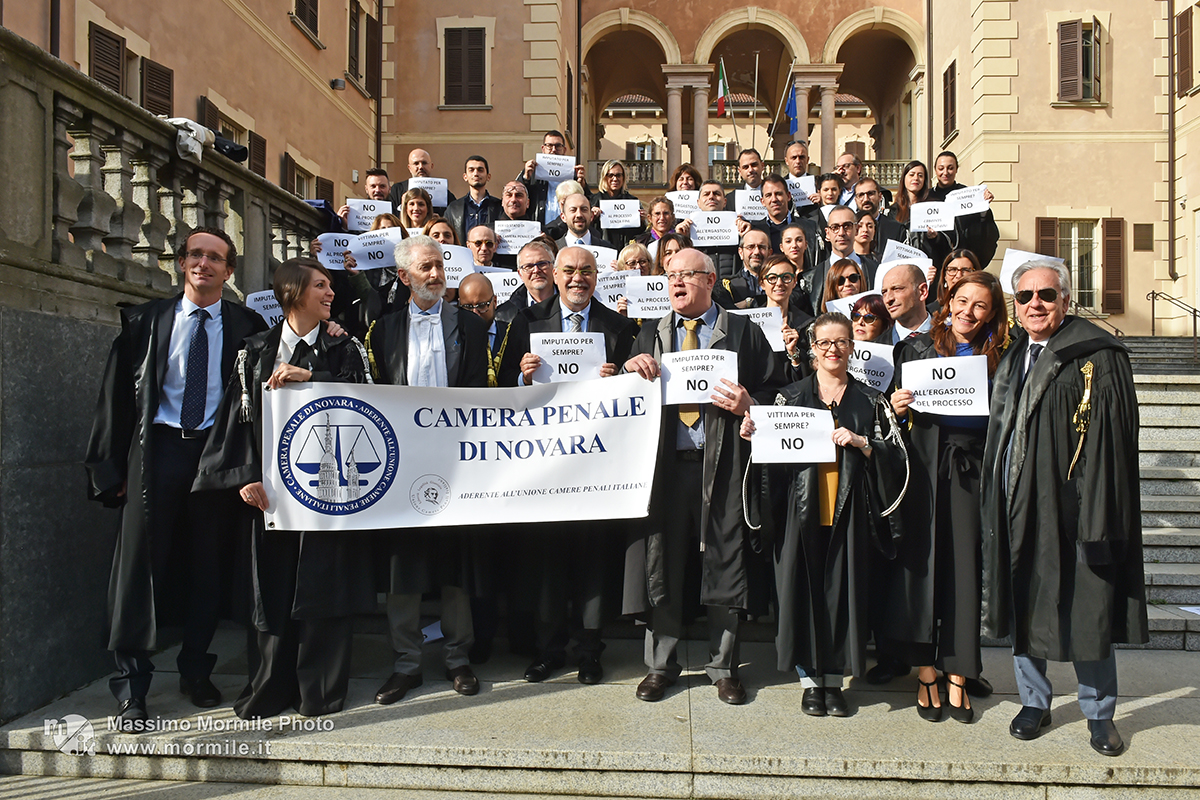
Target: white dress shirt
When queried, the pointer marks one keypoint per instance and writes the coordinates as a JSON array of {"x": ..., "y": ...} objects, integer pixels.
[
  {"x": 900, "y": 332},
  {"x": 288, "y": 341},
  {"x": 573, "y": 240},
  {"x": 170, "y": 404},
  {"x": 426, "y": 347}
]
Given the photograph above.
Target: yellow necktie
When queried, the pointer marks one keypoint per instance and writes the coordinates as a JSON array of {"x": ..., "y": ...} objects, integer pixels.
[{"x": 689, "y": 413}]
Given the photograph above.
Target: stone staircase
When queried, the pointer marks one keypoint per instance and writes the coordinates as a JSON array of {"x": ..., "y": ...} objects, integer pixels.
[
  {"x": 1169, "y": 464},
  {"x": 1163, "y": 355}
]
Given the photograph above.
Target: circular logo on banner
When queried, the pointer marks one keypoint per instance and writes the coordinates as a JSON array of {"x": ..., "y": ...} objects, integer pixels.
[
  {"x": 338, "y": 455},
  {"x": 430, "y": 494}
]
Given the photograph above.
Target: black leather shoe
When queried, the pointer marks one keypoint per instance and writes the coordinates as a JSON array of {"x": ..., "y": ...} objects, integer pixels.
[
  {"x": 813, "y": 702},
  {"x": 590, "y": 671},
  {"x": 201, "y": 691},
  {"x": 653, "y": 687},
  {"x": 132, "y": 710},
  {"x": 979, "y": 687},
  {"x": 542, "y": 669},
  {"x": 396, "y": 687},
  {"x": 835, "y": 702},
  {"x": 1105, "y": 739},
  {"x": 731, "y": 691},
  {"x": 1028, "y": 722},
  {"x": 887, "y": 670},
  {"x": 464, "y": 680}
]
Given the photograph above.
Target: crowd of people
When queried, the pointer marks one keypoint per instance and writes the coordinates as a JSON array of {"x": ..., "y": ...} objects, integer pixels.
[{"x": 925, "y": 531}]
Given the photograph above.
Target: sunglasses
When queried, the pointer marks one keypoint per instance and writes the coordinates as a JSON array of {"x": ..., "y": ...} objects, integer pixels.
[
  {"x": 1024, "y": 296},
  {"x": 843, "y": 279},
  {"x": 858, "y": 316}
]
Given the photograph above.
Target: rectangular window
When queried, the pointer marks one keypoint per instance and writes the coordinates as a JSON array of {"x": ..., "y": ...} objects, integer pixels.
[
  {"x": 1079, "y": 60},
  {"x": 373, "y": 56},
  {"x": 1079, "y": 244},
  {"x": 716, "y": 152},
  {"x": 466, "y": 84},
  {"x": 232, "y": 131},
  {"x": 949, "y": 101},
  {"x": 106, "y": 57},
  {"x": 307, "y": 14},
  {"x": 157, "y": 88},
  {"x": 352, "y": 44},
  {"x": 644, "y": 152}
]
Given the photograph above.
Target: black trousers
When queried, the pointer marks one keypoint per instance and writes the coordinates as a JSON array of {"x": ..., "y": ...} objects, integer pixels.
[
  {"x": 306, "y": 667},
  {"x": 572, "y": 561},
  {"x": 189, "y": 530}
]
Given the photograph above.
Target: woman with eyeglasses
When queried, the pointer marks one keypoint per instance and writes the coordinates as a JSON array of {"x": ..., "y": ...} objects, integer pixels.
[
  {"x": 662, "y": 220},
  {"x": 975, "y": 232},
  {"x": 958, "y": 262},
  {"x": 822, "y": 519},
  {"x": 612, "y": 187},
  {"x": 778, "y": 280},
  {"x": 932, "y": 615},
  {"x": 634, "y": 256},
  {"x": 843, "y": 279},
  {"x": 870, "y": 320}
]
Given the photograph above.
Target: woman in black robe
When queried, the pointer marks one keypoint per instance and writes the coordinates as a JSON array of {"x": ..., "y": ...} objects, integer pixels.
[
  {"x": 612, "y": 187},
  {"x": 778, "y": 279},
  {"x": 824, "y": 519},
  {"x": 931, "y": 617},
  {"x": 307, "y": 586},
  {"x": 975, "y": 232}
]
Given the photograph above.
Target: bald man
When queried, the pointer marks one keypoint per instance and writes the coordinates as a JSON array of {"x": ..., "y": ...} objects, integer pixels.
[{"x": 420, "y": 165}]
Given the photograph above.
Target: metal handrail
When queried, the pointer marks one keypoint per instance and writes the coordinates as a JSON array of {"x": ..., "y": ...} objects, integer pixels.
[
  {"x": 1175, "y": 301},
  {"x": 1084, "y": 311}
]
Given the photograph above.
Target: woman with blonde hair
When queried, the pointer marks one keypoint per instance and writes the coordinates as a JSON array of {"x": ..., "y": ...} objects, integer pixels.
[{"x": 612, "y": 187}]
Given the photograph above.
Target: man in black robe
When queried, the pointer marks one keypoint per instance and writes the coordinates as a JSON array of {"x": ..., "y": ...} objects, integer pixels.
[
  {"x": 162, "y": 385},
  {"x": 1062, "y": 535}
]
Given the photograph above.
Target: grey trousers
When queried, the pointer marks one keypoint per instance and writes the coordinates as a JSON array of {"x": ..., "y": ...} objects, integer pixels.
[
  {"x": 404, "y": 626},
  {"x": 1097, "y": 684}
]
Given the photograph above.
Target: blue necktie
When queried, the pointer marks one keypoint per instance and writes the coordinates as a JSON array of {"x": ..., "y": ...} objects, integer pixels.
[{"x": 195, "y": 387}]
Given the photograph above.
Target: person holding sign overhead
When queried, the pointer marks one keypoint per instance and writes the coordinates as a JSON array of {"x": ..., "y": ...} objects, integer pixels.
[
  {"x": 823, "y": 521},
  {"x": 612, "y": 187},
  {"x": 696, "y": 499},
  {"x": 542, "y": 197},
  {"x": 929, "y": 612},
  {"x": 976, "y": 232}
]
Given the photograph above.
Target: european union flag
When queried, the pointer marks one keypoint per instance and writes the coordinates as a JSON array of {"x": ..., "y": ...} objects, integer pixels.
[{"x": 791, "y": 111}]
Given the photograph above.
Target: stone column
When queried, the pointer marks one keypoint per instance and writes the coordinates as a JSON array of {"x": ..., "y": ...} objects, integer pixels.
[
  {"x": 828, "y": 125},
  {"x": 674, "y": 129},
  {"x": 700, "y": 129}
]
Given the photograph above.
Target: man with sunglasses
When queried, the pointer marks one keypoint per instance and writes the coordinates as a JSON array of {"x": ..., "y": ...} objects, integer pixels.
[
  {"x": 1062, "y": 532},
  {"x": 481, "y": 240}
]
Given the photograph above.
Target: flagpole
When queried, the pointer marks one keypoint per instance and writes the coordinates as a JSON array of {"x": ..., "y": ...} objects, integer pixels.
[
  {"x": 754, "y": 107},
  {"x": 729, "y": 94},
  {"x": 782, "y": 97}
]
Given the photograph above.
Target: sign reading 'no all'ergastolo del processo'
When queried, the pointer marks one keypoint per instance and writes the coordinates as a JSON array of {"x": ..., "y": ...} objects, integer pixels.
[{"x": 350, "y": 456}]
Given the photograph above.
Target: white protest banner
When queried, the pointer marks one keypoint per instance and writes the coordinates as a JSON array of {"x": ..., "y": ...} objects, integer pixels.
[
  {"x": 605, "y": 256},
  {"x": 620, "y": 213},
  {"x": 513, "y": 234},
  {"x": 956, "y": 386},
  {"x": 881, "y": 272},
  {"x": 770, "y": 320},
  {"x": 610, "y": 286},
  {"x": 376, "y": 249},
  {"x": 458, "y": 263},
  {"x": 931, "y": 216},
  {"x": 567, "y": 356},
  {"x": 826, "y": 211},
  {"x": 364, "y": 212},
  {"x": 844, "y": 305},
  {"x": 691, "y": 376},
  {"x": 871, "y": 363},
  {"x": 415, "y": 231},
  {"x": 801, "y": 188},
  {"x": 340, "y": 456},
  {"x": 749, "y": 204},
  {"x": 436, "y": 188},
  {"x": 647, "y": 295},
  {"x": 504, "y": 282},
  {"x": 333, "y": 249},
  {"x": 686, "y": 203},
  {"x": 714, "y": 228},
  {"x": 266, "y": 305},
  {"x": 792, "y": 435},
  {"x": 1015, "y": 258},
  {"x": 968, "y": 200},
  {"x": 894, "y": 251},
  {"x": 554, "y": 169}
]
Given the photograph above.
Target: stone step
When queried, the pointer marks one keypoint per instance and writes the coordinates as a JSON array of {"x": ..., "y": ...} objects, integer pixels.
[
  {"x": 1171, "y": 545},
  {"x": 1167, "y": 473},
  {"x": 1150, "y": 379},
  {"x": 1178, "y": 504},
  {"x": 1169, "y": 417},
  {"x": 1169, "y": 519},
  {"x": 1164, "y": 457},
  {"x": 1155, "y": 400},
  {"x": 1172, "y": 487},
  {"x": 1173, "y": 583},
  {"x": 1151, "y": 437}
]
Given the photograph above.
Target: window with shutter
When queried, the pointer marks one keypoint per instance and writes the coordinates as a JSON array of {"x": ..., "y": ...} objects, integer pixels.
[
  {"x": 210, "y": 115},
  {"x": 158, "y": 88},
  {"x": 455, "y": 88},
  {"x": 1047, "y": 236},
  {"x": 325, "y": 190},
  {"x": 289, "y": 173},
  {"x": 352, "y": 40},
  {"x": 106, "y": 57},
  {"x": 949, "y": 101},
  {"x": 257, "y": 146},
  {"x": 631, "y": 151},
  {"x": 466, "y": 81},
  {"x": 475, "y": 79},
  {"x": 373, "y": 69},
  {"x": 306, "y": 12},
  {"x": 1070, "y": 60},
  {"x": 1183, "y": 52},
  {"x": 1113, "y": 295}
]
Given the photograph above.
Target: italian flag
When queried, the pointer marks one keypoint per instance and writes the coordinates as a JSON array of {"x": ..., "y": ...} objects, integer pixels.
[{"x": 722, "y": 88}]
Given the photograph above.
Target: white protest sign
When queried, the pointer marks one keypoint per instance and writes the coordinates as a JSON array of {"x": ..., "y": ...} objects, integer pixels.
[
  {"x": 620, "y": 213},
  {"x": 504, "y": 282},
  {"x": 415, "y": 231},
  {"x": 844, "y": 305},
  {"x": 770, "y": 319},
  {"x": 749, "y": 204},
  {"x": 376, "y": 249},
  {"x": 692, "y": 375},
  {"x": 686, "y": 202},
  {"x": 714, "y": 228},
  {"x": 801, "y": 188},
  {"x": 968, "y": 200},
  {"x": 792, "y": 435},
  {"x": 827, "y": 210},
  {"x": 871, "y": 363},
  {"x": 1015, "y": 258},
  {"x": 610, "y": 286},
  {"x": 567, "y": 356},
  {"x": 931, "y": 216},
  {"x": 554, "y": 169},
  {"x": 435, "y": 186},
  {"x": 956, "y": 386},
  {"x": 266, "y": 305},
  {"x": 647, "y": 295},
  {"x": 881, "y": 272},
  {"x": 605, "y": 256},
  {"x": 333, "y": 249},
  {"x": 513, "y": 234},
  {"x": 894, "y": 251},
  {"x": 364, "y": 212},
  {"x": 458, "y": 263}
]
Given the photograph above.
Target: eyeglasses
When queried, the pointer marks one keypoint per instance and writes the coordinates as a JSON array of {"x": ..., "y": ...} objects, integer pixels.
[
  {"x": 845, "y": 226},
  {"x": 959, "y": 271},
  {"x": 620, "y": 175},
  {"x": 828, "y": 344},
  {"x": 478, "y": 306},
  {"x": 859, "y": 316},
  {"x": 482, "y": 243},
  {"x": 537, "y": 266},
  {"x": 871, "y": 193},
  {"x": 638, "y": 262},
  {"x": 679, "y": 276},
  {"x": 554, "y": 147},
  {"x": 1024, "y": 296},
  {"x": 844, "y": 279},
  {"x": 571, "y": 272},
  {"x": 756, "y": 247},
  {"x": 213, "y": 258},
  {"x": 786, "y": 278}
]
